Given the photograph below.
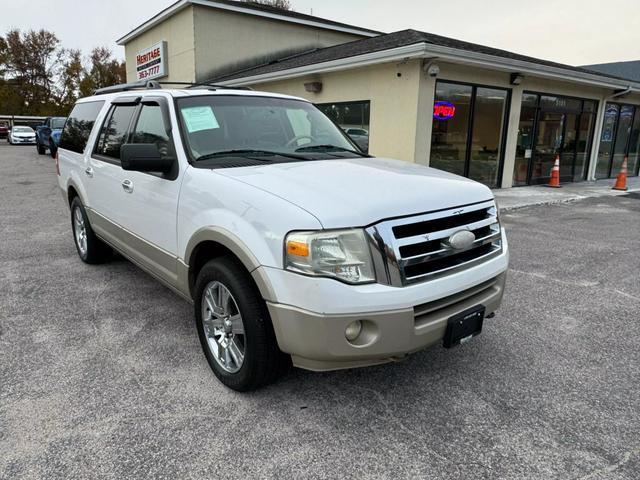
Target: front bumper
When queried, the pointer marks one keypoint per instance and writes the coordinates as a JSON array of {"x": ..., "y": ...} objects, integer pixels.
[
  {"x": 23, "y": 141},
  {"x": 398, "y": 321}
]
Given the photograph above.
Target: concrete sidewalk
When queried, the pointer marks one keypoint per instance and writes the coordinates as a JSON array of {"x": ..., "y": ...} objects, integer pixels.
[{"x": 514, "y": 198}]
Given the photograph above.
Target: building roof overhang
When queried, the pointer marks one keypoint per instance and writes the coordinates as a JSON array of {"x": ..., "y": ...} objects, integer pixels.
[
  {"x": 238, "y": 7},
  {"x": 437, "y": 52}
]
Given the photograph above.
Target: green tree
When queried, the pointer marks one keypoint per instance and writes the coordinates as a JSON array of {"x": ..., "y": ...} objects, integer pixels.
[
  {"x": 103, "y": 71},
  {"x": 39, "y": 77},
  {"x": 30, "y": 66}
]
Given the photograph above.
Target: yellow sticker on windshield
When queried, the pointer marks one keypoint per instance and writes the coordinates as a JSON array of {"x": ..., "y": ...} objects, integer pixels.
[{"x": 199, "y": 118}]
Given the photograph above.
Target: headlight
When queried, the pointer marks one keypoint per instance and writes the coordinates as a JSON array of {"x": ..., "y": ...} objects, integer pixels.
[{"x": 341, "y": 254}]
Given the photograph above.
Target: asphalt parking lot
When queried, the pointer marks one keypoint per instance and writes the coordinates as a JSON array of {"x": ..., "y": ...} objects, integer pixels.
[{"x": 102, "y": 375}]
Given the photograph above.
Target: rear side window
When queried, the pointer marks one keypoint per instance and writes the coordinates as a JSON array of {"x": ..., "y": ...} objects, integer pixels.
[
  {"x": 114, "y": 131},
  {"x": 77, "y": 129}
]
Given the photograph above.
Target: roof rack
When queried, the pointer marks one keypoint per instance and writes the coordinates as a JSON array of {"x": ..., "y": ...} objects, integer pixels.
[
  {"x": 125, "y": 87},
  {"x": 153, "y": 85}
]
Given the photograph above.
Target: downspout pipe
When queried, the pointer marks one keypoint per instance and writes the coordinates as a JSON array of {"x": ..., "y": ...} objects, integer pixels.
[{"x": 621, "y": 93}]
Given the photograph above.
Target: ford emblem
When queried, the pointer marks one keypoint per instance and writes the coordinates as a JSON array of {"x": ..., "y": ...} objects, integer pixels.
[{"x": 461, "y": 240}]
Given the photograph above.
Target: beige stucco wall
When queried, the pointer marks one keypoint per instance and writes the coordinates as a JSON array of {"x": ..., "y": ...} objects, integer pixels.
[
  {"x": 394, "y": 109},
  {"x": 178, "y": 33},
  {"x": 227, "y": 41}
]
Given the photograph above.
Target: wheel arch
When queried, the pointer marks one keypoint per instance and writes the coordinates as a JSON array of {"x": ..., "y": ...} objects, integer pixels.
[{"x": 212, "y": 242}]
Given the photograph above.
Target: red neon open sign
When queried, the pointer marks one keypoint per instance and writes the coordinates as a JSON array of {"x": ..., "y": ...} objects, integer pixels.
[{"x": 444, "y": 110}]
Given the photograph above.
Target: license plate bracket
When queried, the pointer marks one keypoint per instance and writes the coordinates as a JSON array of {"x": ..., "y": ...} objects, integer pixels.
[{"x": 465, "y": 326}]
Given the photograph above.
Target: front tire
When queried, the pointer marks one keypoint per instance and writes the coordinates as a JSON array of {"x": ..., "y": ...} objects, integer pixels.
[
  {"x": 41, "y": 149},
  {"x": 234, "y": 327},
  {"x": 90, "y": 248}
]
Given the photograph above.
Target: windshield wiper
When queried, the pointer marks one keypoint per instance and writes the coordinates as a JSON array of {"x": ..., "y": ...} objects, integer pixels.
[
  {"x": 249, "y": 152},
  {"x": 328, "y": 148}
]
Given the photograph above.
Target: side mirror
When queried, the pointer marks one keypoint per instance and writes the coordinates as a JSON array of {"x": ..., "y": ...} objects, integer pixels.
[{"x": 144, "y": 157}]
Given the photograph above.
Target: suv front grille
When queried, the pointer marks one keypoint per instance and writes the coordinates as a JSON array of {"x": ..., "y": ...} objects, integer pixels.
[{"x": 416, "y": 249}]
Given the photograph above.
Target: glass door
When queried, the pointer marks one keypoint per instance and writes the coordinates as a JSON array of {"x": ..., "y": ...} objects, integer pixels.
[
  {"x": 552, "y": 126},
  {"x": 489, "y": 116},
  {"x": 568, "y": 149},
  {"x": 548, "y": 144}
]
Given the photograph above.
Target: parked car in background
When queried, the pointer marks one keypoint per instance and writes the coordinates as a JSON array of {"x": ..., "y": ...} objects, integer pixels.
[
  {"x": 4, "y": 129},
  {"x": 48, "y": 134},
  {"x": 293, "y": 246},
  {"x": 22, "y": 136},
  {"x": 360, "y": 136}
]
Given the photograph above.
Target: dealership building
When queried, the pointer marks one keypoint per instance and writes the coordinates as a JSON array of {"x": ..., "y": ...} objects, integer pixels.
[{"x": 495, "y": 116}]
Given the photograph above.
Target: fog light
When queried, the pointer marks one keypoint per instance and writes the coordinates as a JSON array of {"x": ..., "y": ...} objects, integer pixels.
[{"x": 353, "y": 330}]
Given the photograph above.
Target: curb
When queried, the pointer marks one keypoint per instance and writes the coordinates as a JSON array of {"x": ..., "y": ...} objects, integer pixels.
[{"x": 559, "y": 201}]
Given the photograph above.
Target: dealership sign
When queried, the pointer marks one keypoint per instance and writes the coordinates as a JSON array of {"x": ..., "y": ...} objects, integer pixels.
[
  {"x": 152, "y": 62},
  {"x": 444, "y": 110}
]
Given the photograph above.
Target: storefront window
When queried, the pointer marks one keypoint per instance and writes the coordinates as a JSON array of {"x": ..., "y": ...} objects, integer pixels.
[
  {"x": 486, "y": 146},
  {"x": 451, "y": 128},
  {"x": 619, "y": 139},
  {"x": 552, "y": 126},
  {"x": 634, "y": 146},
  {"x": 467, "y": 135},
  {"x": 353, "y": 118}
]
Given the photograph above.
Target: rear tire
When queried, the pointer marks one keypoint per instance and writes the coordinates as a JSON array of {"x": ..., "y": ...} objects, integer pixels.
[
  {"x": 250, "y": 337},
  {"x": 90, "y": 248}
]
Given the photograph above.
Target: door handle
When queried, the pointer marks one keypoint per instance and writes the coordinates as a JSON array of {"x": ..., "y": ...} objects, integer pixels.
[
  {"x": 127, "y": 186},
  {"x": 89, "y": 172}
]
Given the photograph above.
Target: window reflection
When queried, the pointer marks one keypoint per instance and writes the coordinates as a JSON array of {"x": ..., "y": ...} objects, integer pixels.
[{"x": 353, "y": 118}]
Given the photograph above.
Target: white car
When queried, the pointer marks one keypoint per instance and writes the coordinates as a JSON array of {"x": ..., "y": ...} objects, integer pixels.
[
  {"x": 293, "y": 246},
  {"x": 22, "y": 136}
]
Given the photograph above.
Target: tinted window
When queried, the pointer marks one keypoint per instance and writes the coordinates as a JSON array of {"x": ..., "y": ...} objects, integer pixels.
[
  {"x": 77, "y": 130},
  {"x": 114, "y": 131},
  {"x": 150, "y": 128}
]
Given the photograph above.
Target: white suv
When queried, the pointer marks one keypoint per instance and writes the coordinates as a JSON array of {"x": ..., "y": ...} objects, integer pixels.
[{"x": 293, "y": 245}]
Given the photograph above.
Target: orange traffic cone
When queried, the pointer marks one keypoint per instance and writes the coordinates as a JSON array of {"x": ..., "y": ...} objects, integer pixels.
[
  {"x": 621, "y": 182},
  {"x": 555, "y": 175}
]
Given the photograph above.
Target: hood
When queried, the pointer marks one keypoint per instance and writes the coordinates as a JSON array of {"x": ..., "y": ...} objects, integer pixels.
[
  {"x": 360, "y": 192},
  {"x": 23, "y": 134}
]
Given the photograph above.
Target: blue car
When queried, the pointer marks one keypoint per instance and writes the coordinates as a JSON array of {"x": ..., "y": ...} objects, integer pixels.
[{"x": 48, "y": 134}]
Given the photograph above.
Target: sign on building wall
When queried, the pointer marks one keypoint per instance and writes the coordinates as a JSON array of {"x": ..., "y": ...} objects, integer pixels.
[{"x": 152, "y": 62}]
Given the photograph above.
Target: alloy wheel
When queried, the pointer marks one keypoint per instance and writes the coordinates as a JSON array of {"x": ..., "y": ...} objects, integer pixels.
[{"x": 223, "y": 327}]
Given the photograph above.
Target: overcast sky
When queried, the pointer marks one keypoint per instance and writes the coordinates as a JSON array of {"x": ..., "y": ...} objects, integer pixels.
[{"x": 575, "y": 32}]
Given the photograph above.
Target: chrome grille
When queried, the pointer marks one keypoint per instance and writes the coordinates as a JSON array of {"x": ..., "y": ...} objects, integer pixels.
[{"x": 416, "y": 249}]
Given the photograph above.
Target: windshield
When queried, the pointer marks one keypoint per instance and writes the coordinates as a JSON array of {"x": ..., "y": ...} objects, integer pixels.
[
  {"x": 274, "y": 129},
  {"x": 23, "y": 130},
  {"x": 57, "y": 122}
]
